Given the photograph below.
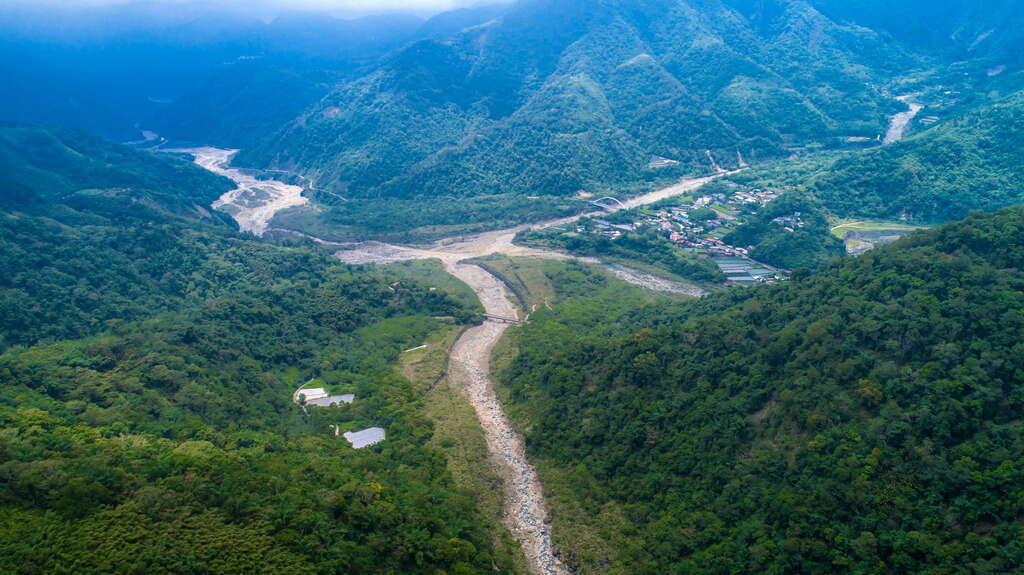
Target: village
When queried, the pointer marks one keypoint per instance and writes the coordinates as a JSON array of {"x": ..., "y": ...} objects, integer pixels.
[{"x": 699, "y": 224}]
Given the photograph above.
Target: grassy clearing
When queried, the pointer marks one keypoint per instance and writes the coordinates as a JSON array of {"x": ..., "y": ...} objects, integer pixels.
[
  {"x": 842, "y": 229},
  {"x": 527, "y": 275},
  {"x": 458, "y": 435},
  {"x": 432, "y": 273}
]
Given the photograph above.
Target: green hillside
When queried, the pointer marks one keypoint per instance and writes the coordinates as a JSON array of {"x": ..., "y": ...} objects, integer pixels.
[
  {"x": 147, "y": 366},
  {"x": 41, "y": 167},
  {"x": 559, "y": 95},
  {"x": 987, "y": 33},
  {"x": 972, "y": 161},
  {"x": 836, "y": 415},
  {"x": 865, "y": 419}
]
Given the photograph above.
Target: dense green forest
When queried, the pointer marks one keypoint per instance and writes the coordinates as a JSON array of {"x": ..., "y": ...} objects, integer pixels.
[
  {"x": 809, "y": 246},
  {"x": 91, "y": 231},
  {"x": 555, "y": 96},
  {"x": 42, "y": 168},
  {"x": 982, "y": 33},
  {"x": 862, "y": 419},
  {"x": 148, "y": 362}
]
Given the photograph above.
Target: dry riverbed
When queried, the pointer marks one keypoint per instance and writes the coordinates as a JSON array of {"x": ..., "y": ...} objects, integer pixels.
[
  {"x": 254, "y": 202},
  {"x": 899, "y": 123},
  {"x": 526, "y": 515}
]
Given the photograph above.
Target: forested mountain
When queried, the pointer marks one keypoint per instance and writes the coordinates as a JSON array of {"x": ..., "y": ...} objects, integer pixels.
[
  {"x": 148, "y": 363},
  {"x": 558, "y": 95},
  {"x": 42, "y": 168},
  {"x": 191, "y": 71},
  {"x": 987, "y": 33},
  {"x": 973, "y": 161},
  {"x": 861, "y": 417},
  {"x": 864, "y": 419}
]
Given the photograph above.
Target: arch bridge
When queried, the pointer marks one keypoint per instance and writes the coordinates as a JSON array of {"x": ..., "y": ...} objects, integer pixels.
[{"x": 609, "y": 204}]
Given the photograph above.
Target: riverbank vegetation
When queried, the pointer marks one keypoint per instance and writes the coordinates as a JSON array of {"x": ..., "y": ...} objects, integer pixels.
[
  {"x": 416, "y": 221},
  {"x": 646, "y": 246}
]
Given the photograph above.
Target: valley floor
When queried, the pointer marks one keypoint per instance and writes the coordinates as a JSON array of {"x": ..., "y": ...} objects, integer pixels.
[{"x": 525, "y": 511}]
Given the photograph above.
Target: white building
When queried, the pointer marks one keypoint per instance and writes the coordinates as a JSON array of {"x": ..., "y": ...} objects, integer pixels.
[
  {"x": 313, "y": 393},
  {"x": 366, "y": 437}
]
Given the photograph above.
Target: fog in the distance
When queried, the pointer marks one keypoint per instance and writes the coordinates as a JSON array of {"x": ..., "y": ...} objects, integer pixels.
[{"x": 266, "y": 8}]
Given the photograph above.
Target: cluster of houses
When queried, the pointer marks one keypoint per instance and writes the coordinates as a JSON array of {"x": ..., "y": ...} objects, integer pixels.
[
  {"x": 791, "y": 222},
  {"x": 699, "y": 226},
  {"x": 319, "y": 397}
]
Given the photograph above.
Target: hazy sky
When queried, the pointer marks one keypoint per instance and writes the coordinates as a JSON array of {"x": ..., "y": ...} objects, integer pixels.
[{"x": 353, "y": 6}]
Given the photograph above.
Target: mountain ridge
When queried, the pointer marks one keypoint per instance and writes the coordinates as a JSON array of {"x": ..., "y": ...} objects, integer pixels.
[{"x": 467, "y": 109}]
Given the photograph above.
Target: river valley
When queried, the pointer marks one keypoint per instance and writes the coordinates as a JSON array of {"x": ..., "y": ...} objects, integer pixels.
[
  {"x": 253, "y": 204},
  {"x": 900, "y": 123}
]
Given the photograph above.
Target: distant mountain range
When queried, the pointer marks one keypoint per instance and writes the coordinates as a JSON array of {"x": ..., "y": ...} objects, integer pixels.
[
  {"x": 498, "y": 114},
  {"x": 556, "y": 96},
  {"x": 190, "y": 72},
  {"x": 862, "y": 417},
  {"x": 985, "y": 32}
]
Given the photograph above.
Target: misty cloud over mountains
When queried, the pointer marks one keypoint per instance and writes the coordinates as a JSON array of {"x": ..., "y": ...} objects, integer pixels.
[{"x": 267, "y": 8}]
